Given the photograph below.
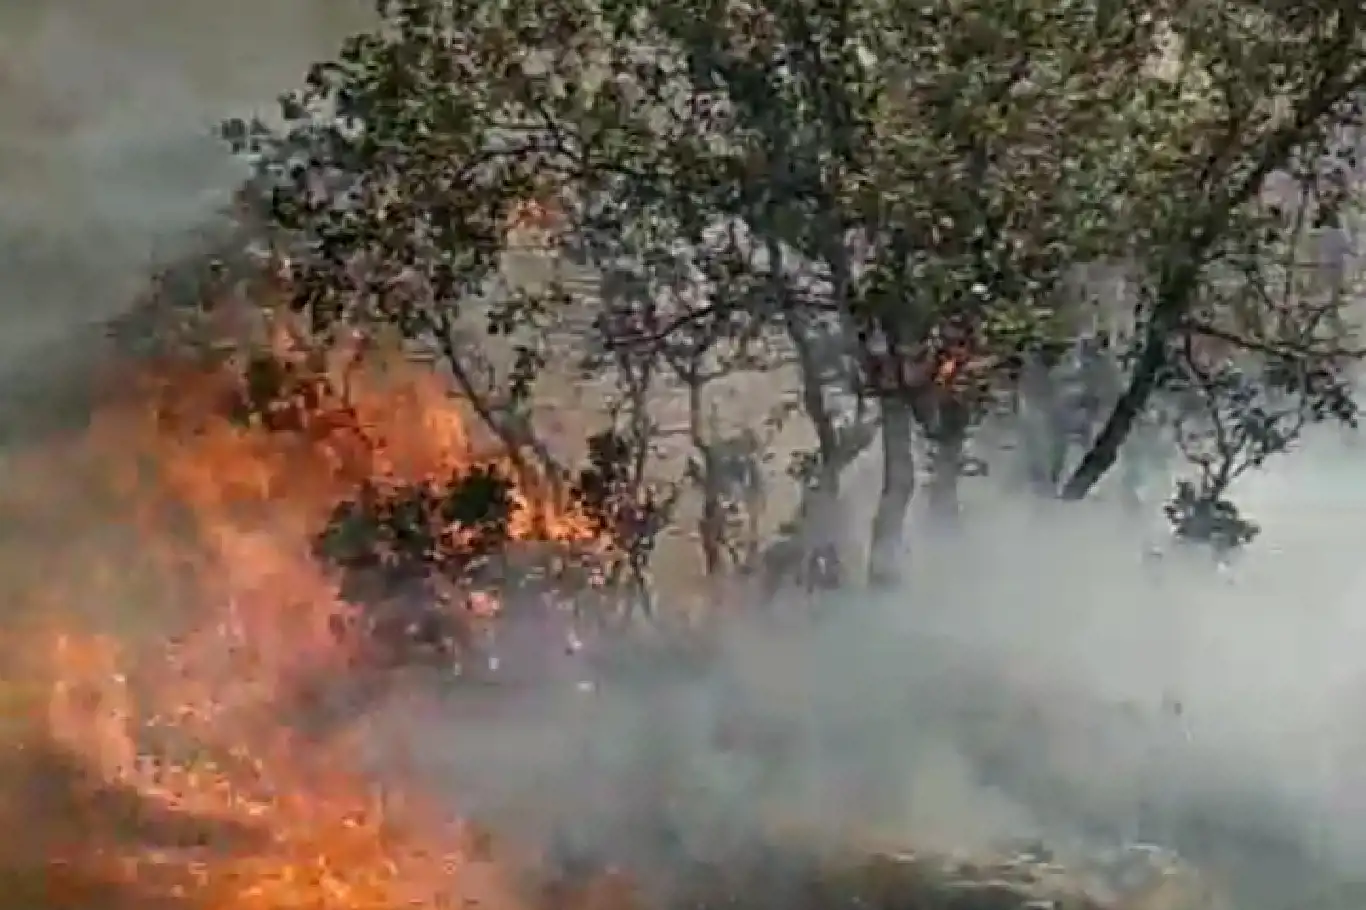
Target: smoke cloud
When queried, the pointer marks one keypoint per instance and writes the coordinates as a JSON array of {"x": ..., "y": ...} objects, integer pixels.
[
  {"x": 1043, "y": 677},
  {"x": 108, "y": 161}
]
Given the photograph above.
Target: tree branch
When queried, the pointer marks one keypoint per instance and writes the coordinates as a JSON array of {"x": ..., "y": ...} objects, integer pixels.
[
  {"x": 512, "y": 431},
  {"x": 1181, "y": 277},
  {"x": 1271, "y": 348}
]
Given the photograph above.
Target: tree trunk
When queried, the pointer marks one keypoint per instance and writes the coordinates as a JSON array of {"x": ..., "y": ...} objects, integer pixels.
[
  {"x": 797, "y": 557},
  {"x": 886, "y": 553},
  {"x": 1181, "y": 280},
  {"x": 950, "y": 440},
  {"x": 820, "y": 518},
  {"x": 711, "y": 526},
  {"x": 823, "y": 564},
  {"x": 1143, "y": 382}
]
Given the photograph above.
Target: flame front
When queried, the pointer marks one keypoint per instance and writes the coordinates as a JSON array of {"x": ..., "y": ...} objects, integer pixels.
[
  {"x": 188, "y": 718},
  {"x": 309, "y": 833}
]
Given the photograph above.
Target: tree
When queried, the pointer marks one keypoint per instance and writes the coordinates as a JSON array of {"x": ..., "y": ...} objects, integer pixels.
[
  {"x": 1246, "y": 380},
  {"x": 897, "y": 177},
  {"x": 888, "y": 199},
  {"x": 1271, "y": 90},
  {"x": 387, "y": 192}
]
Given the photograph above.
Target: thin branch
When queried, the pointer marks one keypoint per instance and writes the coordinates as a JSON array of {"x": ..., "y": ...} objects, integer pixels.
[
  {"x": 512, "y": 431},
  {"x": 1270, "y": 348}
]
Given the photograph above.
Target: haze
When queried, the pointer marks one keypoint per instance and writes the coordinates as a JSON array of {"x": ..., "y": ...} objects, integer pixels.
[{"x": 1219, "y": 713}]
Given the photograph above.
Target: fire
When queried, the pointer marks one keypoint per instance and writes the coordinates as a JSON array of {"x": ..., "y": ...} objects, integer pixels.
[
  {"x": 192, "y": 718},
  {"x": 948, "y": 370},
  {"x": 535, "y": 222},
  {"x": 257, "y": 498},
  {"x": 313, "y": 834}
]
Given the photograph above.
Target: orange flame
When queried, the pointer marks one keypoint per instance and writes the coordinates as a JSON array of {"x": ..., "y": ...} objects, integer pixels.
[
  {"x": 317, "y": 835},
  {"x": 947, "y": 371},
  {"x": 223, "y": 514}
]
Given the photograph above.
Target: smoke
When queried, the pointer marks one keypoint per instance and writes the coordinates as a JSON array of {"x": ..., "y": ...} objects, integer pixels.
[
  {"x": 108, "y": 161},
  {"x": 1041, "y": 678},
  {"x": 1037, "y": 678}
]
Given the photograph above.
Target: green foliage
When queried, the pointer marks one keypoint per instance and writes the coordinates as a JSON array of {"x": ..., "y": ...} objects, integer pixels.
[
  {"x": 625, "y": 513},
  {"x": 408, "y": 556},
  {"x": 415, "y": 533},
  {"x": 921, "y": 161},
  {"x": 1199, "y": 517},
  {"x": 844, "y": 185},
  {"x": 1269, "y": 94}
]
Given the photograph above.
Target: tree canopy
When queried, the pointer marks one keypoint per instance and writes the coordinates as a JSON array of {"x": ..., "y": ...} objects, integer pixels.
[{"x": 898, "y": 209}]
